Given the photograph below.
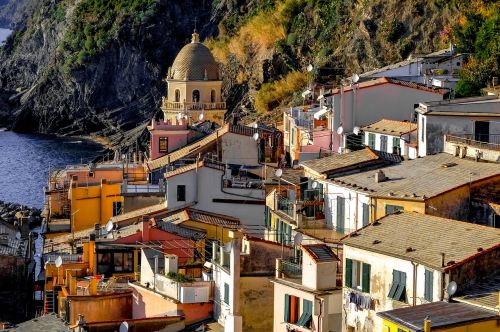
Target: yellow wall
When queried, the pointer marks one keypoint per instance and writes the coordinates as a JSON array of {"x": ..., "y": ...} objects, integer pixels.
[
  {"x": 256, "y": 303},
  {"x": 94, "y": 204},
  {"x": 380, "y": 203},
  {"x": 486, "y": 326},
  {"x": 213, "y": 232}
]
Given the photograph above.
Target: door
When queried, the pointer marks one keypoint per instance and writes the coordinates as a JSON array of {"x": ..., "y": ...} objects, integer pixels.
[
  {"x": 482, "y": 131},
  {"x": 383, "y": 143}
]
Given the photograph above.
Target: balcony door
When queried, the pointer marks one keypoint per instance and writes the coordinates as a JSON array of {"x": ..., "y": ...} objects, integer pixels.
[
  {"x": 196, "y": 96},
  {"x": 482, "y": 131}
]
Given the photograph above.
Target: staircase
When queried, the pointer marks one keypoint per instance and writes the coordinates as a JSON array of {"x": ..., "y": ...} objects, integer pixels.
[{"x": 49, "y": 302}]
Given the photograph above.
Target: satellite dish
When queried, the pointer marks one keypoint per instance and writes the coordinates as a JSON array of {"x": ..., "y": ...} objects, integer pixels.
[
  {"x": 109, "y": 226},
  {"x": 306, "y": 93},
  {"x": 309, "y": 67},
  {"x": 179, "y": 116},
  {"x": 297, "y": 239},
  {"x": 278, "y": 172},
  {"x": 18, "y": 235},
  {"x": 340, "y": 130},
  {"x": 320, "y": 97},
  {"x": 355, "y": 78},
  {"x": 123, "y": 327},
  {"x": 314, "y": 185},
  {"x": 255, "y": 125},
  {"x": 255, "y": 136},
  {"x": 451, "y": 288},
  {"x": 58, "y": 261},
  {"x": 356, "y": 130},
  {"x": 201, "y": 116}
]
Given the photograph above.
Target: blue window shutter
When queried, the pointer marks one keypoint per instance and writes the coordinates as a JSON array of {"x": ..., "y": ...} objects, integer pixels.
[
  {"x": 226, "y": 293},
  {"x": 287, "y": 308},
  {"x": 348, "y": 272}
]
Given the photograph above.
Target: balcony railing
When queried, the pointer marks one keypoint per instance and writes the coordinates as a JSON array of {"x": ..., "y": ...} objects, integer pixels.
[
  {"x": 143, "y": 189},
  {"x": 488, "y": 142},
  {"x": 185, "y": 292},
  {"x": 290, "y": 269},
  {"x": 190, "y": 106}
]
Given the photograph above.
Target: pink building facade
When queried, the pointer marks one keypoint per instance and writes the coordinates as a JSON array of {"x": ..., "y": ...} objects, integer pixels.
[{"x": 166, "y": 137}]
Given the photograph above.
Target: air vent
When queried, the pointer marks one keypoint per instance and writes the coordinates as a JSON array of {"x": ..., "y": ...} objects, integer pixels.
[
  {"x": 376, "y": 241},
  {"x": 448, "y": 165}
]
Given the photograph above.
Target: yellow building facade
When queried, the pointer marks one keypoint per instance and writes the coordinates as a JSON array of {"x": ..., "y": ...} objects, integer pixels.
[{"x": 96, "y": 204}]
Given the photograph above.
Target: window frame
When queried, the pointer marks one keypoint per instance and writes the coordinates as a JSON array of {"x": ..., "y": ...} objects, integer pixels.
[
  {"x": 117, "y": 208},
  {"x": 371, "y": 140},
  {"x": 181, "y": 193},
  {"x": 384, "y": 143},
  {"x": 163, "y": 141},
  {"x": 396, "y": 208},
  {"x": 397, "y": 291},
  {"x": 358, "y": 270},
  {"x": 177, "y": 95}
]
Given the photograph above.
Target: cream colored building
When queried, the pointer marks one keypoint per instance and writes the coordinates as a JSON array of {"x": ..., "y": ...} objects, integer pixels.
[{"x": 194, "y": 86}]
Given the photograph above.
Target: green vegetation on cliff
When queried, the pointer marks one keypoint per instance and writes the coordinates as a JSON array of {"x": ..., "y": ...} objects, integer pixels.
[{"x": 95, "y": 23}]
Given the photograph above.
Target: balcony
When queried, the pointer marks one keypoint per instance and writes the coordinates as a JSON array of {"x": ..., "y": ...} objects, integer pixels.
[
  {"x": 143, "y": 189},
  {"x": 189, "y": 106},
  {"x": 486, "y": 148},
  {"x": 184, "y": 291},
  {"x": 307, "y": 213}
]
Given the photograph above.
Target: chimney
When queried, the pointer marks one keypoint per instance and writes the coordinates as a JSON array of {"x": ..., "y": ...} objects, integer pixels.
[
  {"x": 380, "y": 176},
  {"x": 427, "y": 324},
  {"x": 145, "y": 230}
]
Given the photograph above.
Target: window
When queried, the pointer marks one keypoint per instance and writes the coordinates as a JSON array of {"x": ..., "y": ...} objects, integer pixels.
[
  {"x": 340, "y": 214},
  {"x": 267, "y": 219},
  {"x": 196, "y": 96},
  {"x": 163, "y": 143},
  {"x": 366, "y": 214},
  {"x": 392, "y": 208},
  {"x": 398, "y": 288},
  {"x": 177, "y": 96},
  {"x": 371, "y": 140},
  {"x": 357, "y": 275},
  {"x": 117, "y": 208},
  {"x": 383, "y": 143},
  {"x": 422, "y": 129},
  {"x": 291, "y": 309},
  {"x": 306, "y": 317},
  {"x": 226, "y": 293},
  {"x": 292, "y": 138},
  {"x": 115, "y": 262},
  {"x": 396, "y": 145},
  {"x": 181, "y": 193},
  {"x": 428, "y": 285},
  {"x": 213, "y": 96}
]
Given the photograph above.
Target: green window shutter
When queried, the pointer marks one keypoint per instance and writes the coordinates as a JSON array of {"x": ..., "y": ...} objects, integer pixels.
[
  {"x": 366, "y": 278},
  {"x": 395, "y": 283},
  {"x": 366, "y": 214},
  {"x": 401, "y": 292},
  {"x": 226, "y": 293},
  {"x": 348, "y": 272},
  {"x": 287, "y": 308}
]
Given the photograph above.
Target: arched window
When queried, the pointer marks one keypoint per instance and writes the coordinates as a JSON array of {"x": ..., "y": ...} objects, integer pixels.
[
  {"x": 196, "y": 96},
  {"x": 177, "y": 95},
  {"x": 212, "y": 96}
]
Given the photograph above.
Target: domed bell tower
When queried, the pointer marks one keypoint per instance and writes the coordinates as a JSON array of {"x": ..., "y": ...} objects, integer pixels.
[{"x": 194, "y": 86}]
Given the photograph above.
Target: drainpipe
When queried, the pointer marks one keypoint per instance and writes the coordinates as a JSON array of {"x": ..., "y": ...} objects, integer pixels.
[
  {"x": 356, "y": 212},
  {"x": 320, "y": 316},
  {"x": 414, "y": 282},
  {"x": 442, "y": 276}
]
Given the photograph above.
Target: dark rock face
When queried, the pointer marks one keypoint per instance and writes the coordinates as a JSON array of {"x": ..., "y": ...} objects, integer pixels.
[{"x": 113, "y": 91}]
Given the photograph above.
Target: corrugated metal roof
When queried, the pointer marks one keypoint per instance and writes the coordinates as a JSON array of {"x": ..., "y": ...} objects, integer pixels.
[
  {"x": 391, "y": 127},
  {"x": 441, "y": 314},
  {"x": 401, "y": 235},
  {"x": 420, "y": 178},
  {"x": 213, "y": 219},
  {"x": 13, "y": 247}
]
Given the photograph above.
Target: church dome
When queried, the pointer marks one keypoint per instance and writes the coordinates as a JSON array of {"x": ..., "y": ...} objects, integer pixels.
[{"x": 194, "y": 62}]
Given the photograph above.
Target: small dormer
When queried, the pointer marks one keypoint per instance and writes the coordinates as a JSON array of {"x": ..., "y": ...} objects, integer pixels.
[{"x": 319, "y": 267}]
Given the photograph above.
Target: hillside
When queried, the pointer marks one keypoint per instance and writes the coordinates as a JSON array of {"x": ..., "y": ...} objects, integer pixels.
[{"x": 95, "y": 66}]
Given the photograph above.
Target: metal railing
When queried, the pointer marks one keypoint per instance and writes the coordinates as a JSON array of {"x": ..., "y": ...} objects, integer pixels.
[
  {"x": 143, "y": 189},
  {"x": 190, "y": 106},
  {"x": 291, "y": 269},
  {"x": 493, "y": 142},
  {"x": 66, "y": 258}
]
